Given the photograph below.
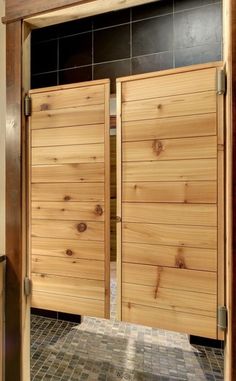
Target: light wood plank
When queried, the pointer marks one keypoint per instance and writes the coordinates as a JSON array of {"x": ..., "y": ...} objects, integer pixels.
[
  {"x": 67, "y": 117},
  {"x": 189, "y": 104},
  {"x": 179, "y": 214},
  {"x": 68, "y": 173},
  {"x": 68, "y": 192},
  {"x": 170, "y": 320},
  {"x": 73, "y": 97},
  {"x": 82, "y": 288},
  {"x": 171, "y": 299},
  {"x": 69, "y": 267},
  {"x": 73, "y": 305},
  {"x": 173, "y": 235},
  {"x": 68, "y": 229},
  {"x": 169, "y": 128},
  {"x": 87, "y": 153},
  {"x": 68, "y": 211},
  {"x": 170, "y": 256},
  {"x": 165, "y": 277},
  {"x": 50, "y": 137},
  {"x": 178, "y": 170},
  {"x": 171, "y": 149},
  {"x": 169, "y": 85},
  {"x": 203, "y": 192},
  {"x": 65, "y": 247}
]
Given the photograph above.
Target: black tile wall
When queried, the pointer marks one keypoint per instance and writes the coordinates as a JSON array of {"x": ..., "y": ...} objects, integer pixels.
[{"x": 161, "y": 35}]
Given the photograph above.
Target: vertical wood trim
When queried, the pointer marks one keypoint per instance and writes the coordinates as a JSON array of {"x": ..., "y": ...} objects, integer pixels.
[
  {"x": 119, "y": 198},
  {"x": 220, "y": 207},
  {"x": 107, "y": 198},
  {"x": 26, "y": 40},
  {"x": 14, "y": 279}
]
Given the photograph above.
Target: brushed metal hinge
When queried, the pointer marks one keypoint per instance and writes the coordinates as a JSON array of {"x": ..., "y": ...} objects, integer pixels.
[
  {"x": 28, "y": 105},
  {"x": 221, "y": 82},
  {"x": 27, "y": 286},
  {"x": 222, "y": 318}
]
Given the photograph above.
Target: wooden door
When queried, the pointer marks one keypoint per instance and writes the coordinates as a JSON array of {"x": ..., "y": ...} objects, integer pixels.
[
  {"x": 69, "y": 198},
  {"x": 170, "y": 200}
]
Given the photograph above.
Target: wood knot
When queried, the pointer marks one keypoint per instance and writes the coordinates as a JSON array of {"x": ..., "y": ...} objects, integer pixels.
[
  {"x": 69, "y": 252},
  {"x": 129, "y": 305},
  {"x": 159, "y": 106},
  {"x": 82, "y": 227},
  {"x": 44, "y": 107},
  {"x": 179, "y": 261},
  {"x": 98, "y": 210},
  {"x": 157, "y": 147},
  {"x": 67, "y": 198}
]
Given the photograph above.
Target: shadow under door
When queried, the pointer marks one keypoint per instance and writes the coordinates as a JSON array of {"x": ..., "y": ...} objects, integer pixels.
[{"x": 69, "y": 198}]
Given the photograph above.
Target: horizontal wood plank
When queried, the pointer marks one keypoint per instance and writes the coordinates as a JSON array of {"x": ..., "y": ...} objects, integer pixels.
[
  {"x": 73, "y": 305},
  {"x": 171, "y": 278},
  {"x": 74, "y": 97},
  {"x": 169, "y": 128},
  {"x": 69, "y": 267},
  {"x": 170, "y": 320},
  {"x": 83, "y": 153},
  {"x": 179, "y": 214},
  {"x": 68, "y": 192},
  {"x": 68, "y": 173},
  {"x": 65, "y": 247},
  {"x": 167, "y": 85},
  {"x": 68, "y": 117},
  {"x": 170, "y": 149},
  {"x": 68, "y": 229},
  {"x": 67, "y": 211},
  {"x": 203, "y": 192},
  {"x": 51, "y": 137},
  {"x": 170, "y": 256},
  {"x": 178, "y": 170},
  {"x": 189, "y": 104},
  {"x": 171, "y": 299},
  {"x": 173, "y": 235},
  {"x": 82, "y": 288}
]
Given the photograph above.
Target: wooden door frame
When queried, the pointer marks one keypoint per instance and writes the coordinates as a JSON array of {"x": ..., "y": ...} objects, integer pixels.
[{"x": 18, "y": 72}]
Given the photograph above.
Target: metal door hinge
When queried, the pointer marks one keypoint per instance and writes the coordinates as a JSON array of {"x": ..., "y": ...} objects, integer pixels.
[
  {"x": 222, "y": 318},
  {"x": 221, "y": 82},
  {"x": 27, "y": 286},
  {"x": 28, "y": 105}
]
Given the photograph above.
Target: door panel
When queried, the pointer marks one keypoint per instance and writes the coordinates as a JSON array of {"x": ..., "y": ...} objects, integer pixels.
[
  {"x": 69, "y": 198},
  {"x": 170, "y": 187}
]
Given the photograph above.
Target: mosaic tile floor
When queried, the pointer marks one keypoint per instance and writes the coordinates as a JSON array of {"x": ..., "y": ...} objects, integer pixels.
[{"x": 101, "y": 350}]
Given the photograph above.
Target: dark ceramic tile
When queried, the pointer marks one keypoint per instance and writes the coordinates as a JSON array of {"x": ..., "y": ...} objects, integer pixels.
[
  {"x": 199, "y": 54},
  {"x": 180, "y": 5},
  {"x": 44, "y": 313},
  {"x": 153, "y": 62},
  {"x": 43, "y": 80},
  {"x": 112, "y": 44},
  {"x": 198, "y": 26},
  {"x": 153, "y": 35},
  {"x": 75, "y": 51},
  {"x": 69, "y": 317},
  {"x": 74, "y": 27},
  {"x": 157, "y": 8},
  {"x": 112, "y": 70},
  {"x": 44, "y": 34},
  {"x": 80, "y": 74},
  {"x": 44, "y": 57},
  {"x": 112, "y": 18}
]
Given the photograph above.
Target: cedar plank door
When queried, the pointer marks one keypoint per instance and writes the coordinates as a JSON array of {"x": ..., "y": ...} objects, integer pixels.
[
  {"x": 170, "y": 200},
  {"x": 69, "y": 198}
]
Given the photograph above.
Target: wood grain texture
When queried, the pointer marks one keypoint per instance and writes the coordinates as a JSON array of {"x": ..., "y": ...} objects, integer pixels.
[
  {"x": 169, "y": 128},
  {"x": 170, "y": 256},
  {"x": 201, "y": 192},
  {"x": 170, "y": 85},
  {"x": 172, "y": 321},
  {"x": 179, "y": 105}
]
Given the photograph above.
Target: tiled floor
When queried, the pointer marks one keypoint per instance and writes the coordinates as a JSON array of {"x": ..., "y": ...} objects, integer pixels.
[{"x": 104, "y": 350}]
